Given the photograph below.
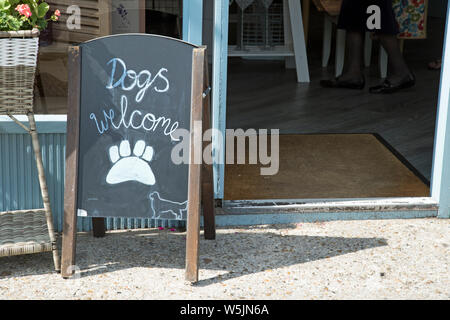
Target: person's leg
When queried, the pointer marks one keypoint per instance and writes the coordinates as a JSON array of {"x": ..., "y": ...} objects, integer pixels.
[
  {"x": 352, "y": 77},
  {"x": 398, "y": 69},
  {"x": 354, "y": 59},
  {"x": 399, "y": 76},
  {"x": 351, "y": 19}
]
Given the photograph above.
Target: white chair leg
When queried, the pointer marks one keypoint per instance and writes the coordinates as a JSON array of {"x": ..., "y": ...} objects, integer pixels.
[
  {"x": 327, "y": 35},
  {"x": 298, "y": 40},
  {"x": 383, "y": 62},
  {"x": 289, "y": 61},
  {"x": 340, "y": 51},
  {"x": 367, "y": 50}
]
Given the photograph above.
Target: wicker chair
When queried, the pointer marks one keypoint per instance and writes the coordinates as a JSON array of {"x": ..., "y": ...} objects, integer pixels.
[{"x": 24, "y": 231}]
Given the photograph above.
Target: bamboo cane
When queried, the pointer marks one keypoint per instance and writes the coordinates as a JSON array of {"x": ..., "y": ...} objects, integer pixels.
[{"x": 44, "y": 190}]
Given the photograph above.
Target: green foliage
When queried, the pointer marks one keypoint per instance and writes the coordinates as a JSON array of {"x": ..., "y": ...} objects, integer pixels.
[
  {"x": 12, "y": 20},
  {"x": 9, "y": 23}
]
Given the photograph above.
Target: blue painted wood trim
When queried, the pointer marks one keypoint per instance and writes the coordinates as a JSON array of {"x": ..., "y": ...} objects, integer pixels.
[
  {"x": 287, "y": 218},
  {"x": 193, "y": 21},
  {"x": 44, "y": 124},
  {"x": 440, "y": 179},
  {"x": 219, "y": 92}
]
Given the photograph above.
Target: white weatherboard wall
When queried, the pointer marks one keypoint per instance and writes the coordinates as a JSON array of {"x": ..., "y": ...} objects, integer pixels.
[{"x": 19, "y": 185}]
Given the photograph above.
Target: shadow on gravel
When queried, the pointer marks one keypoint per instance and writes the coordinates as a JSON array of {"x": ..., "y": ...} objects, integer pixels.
[
  {"x": 237, "y": 254},
  {"x": 249, "y": 251}
]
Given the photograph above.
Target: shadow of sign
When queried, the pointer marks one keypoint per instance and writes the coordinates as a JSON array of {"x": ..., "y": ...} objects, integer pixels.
[{"x": 239, "y": 254}]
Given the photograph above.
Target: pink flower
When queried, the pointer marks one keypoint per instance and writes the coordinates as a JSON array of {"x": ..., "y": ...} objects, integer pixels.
[
  {"x": 57, "y": 14},
  {"x": 161, "y": 228},
  {"x": 173, "y": 229},
  {"x": 24, "y": 10}
]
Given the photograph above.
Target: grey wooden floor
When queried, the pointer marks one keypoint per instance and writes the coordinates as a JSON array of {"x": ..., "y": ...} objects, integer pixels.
[{"x": 263, "y": 94}]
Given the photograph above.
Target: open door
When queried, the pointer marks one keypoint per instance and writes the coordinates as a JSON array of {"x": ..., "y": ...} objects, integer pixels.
[{"x": 339, "y": 170}]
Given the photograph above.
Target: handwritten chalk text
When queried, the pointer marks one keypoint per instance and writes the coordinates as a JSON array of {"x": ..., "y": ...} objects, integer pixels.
[
  {"x": 136, "y": 120},
  {"x": 129, "y": 79}
]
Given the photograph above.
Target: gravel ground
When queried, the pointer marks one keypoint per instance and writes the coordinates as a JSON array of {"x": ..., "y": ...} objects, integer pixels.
[{"x": 376, "y": 259}]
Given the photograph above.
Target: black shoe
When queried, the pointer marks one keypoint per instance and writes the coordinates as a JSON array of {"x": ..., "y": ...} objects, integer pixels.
[
  {"x": 388, "y": 87},
  {"x": 345, "y": 84}
]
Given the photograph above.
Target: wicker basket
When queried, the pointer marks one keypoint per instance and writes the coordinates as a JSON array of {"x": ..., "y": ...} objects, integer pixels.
[
  {"x": 18, "y": 59},
  {"x": 24, "y": 231}
]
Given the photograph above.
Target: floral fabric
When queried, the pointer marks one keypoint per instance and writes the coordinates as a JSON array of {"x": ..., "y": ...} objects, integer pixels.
[{"x": 411, "y": 16}]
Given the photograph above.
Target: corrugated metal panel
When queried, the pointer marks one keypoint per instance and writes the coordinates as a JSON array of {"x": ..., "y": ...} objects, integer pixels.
[{"x": 19, "y": 185}]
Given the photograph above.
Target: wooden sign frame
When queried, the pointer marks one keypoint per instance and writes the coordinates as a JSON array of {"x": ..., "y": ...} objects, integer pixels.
[{"x": 200, "y": 184}]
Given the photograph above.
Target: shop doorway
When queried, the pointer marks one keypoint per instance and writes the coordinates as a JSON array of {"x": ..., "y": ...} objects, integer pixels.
[{"x": 337, "y": 144}]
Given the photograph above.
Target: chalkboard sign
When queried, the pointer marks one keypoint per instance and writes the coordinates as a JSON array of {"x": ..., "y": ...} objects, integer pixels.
[
  {"x": 135, "y": 93},
  {"x": 129, "y": 96}
]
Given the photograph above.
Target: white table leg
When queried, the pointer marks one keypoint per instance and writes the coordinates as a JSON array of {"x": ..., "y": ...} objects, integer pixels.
[
  {"x": 289, "y": 61},
  {"x": 298, "y": 39}
]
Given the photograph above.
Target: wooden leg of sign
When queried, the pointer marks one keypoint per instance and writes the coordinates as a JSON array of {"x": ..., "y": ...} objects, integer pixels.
[
  {"x": 98, "y": 227},
  {"x": 71, "y": 184},
  {"x": 209, "y": 220},
  {"x": 68, "y": 241},
  {"x": 195, "y": 167},
  {"x": 193, "y": 228}
]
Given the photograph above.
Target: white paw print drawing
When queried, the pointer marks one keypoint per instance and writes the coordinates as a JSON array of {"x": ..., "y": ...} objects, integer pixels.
[{"x": 131, "y": 167}]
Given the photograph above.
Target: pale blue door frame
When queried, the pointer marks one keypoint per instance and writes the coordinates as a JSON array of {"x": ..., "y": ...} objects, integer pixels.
[
  {"x": 440, "y": 180},
  {"x": 193, "y": 21},
  {"x": 192, "y": 32},
  {"x": 219, "y": 92}
]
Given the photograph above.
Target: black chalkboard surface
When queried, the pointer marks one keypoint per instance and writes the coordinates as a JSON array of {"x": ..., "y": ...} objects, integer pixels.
[{"x": 135, "y": 94}]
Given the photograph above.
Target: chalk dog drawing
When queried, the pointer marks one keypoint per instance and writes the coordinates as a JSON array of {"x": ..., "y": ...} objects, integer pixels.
[
  {"x": 128, "y": 167},
  {"x": 166, "y": 209}
]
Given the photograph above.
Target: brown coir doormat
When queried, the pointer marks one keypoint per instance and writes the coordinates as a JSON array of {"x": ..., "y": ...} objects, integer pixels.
[{"x": 317, "y": 166}]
